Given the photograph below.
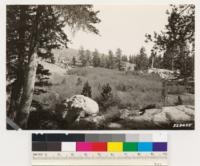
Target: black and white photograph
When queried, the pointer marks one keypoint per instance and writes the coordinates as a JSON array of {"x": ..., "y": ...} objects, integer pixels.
[{"x": 100, "y": 67}]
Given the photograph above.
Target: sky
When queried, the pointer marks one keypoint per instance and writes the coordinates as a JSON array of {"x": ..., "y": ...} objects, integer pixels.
[{"x": 124, "y": 27}]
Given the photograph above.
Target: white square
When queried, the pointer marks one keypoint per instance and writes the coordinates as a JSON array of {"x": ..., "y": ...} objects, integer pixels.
[
  {"x": 160, "y": 137},
  {"x": 68, "y": 147}
]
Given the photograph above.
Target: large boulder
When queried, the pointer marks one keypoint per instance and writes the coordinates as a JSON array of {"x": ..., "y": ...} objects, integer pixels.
[
  {"x": 88, "y": 105},
  {"x": 79, "y": 106}
]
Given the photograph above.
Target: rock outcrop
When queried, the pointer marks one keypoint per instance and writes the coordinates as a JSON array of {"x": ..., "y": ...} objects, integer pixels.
[
  {"x": 83, "y": 113},
  {"x": 166, "y": 116}
]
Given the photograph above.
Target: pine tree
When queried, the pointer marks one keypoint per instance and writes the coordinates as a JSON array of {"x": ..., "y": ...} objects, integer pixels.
[
  {"x": 131, "y": 59},
  {"x": 103, "y": 60},
  {"x": 87, "y": 90},
  {"x": 124, "y": 58},
  {"x": 119, "y": 58},
  {"x": 177, "y": 40},
  {"x": 88, "y": 58},
  {"x": 42, "y": 80},
  {"x": 110, "y": 60},
  {"x": 82, "y": 56},
  {"x": 96, "y": 58},
  {"x": 141, "y": 60},
  {"x": 32, "y": 32},
  {"x": 106, "y": 92},
  {"x": 74, "y": 61},
  {"x": 106, "y": 99}
]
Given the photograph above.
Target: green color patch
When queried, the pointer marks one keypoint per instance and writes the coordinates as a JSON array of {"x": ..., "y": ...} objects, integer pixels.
[{"x": 130, "y": 146}]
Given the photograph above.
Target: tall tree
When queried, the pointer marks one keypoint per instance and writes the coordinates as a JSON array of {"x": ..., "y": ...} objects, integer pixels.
[
  {"x": 88, "y": 57},
  {"x": 82, "y": 56},
  {"x": 119, "y": 58},
  {"x": 177, "y": 40},
  {"x": 85, "y": 56},
  {"x": 131, "y": 59},
  {"x": 15, "y": 54},
  {"x": 124, "y": 58},
  {"x": 110, "y": 60},
  {"x": 155, "y": 61},
  {"x": 32, "y": 32},
  {"x": 103, "y": 60},
  {"x": 141, "y": 60},
  {"x": 74, "y": 61},
  {"x": 96, "y": 58}
]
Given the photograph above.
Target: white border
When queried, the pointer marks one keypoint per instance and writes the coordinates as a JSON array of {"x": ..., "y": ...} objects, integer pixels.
[
  {"x": 14, "y": 146},
  {"x": 102, "y": 2}
]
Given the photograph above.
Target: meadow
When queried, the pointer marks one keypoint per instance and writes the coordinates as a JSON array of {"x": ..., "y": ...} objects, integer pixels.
[{"x": 130, "y": 90}]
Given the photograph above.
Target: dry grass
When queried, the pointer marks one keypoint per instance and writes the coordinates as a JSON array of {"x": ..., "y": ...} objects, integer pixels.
[{"x": 129, "y": 90}]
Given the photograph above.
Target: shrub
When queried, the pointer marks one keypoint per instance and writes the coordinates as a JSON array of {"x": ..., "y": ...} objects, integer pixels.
[
  {"x": 79, "y": 81},
  {"x": 87, "y": 90},
  {"x": 106, "y": 93},
  {"x": 106, "y": 98}
]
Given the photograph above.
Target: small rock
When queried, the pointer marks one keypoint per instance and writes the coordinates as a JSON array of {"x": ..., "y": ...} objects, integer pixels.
[
  {"x": 114, "y": 126},
  {"x": 97, "y": 120},
  {"x": 128, "y": 114},
  {"x": 179, "y": 113},
  {"x": 124, "y": 113}
]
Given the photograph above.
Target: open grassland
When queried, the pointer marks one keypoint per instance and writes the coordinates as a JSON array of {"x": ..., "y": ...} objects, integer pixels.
[{"x": 130, "y": 90}]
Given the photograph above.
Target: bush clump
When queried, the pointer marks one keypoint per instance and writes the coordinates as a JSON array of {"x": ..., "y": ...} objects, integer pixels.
[
  {"x": 106, "y": 93},
  {"x": 106, "y": 98},
  {"x": 79, "y": 81},
  {"x": 87, "y": 90}
]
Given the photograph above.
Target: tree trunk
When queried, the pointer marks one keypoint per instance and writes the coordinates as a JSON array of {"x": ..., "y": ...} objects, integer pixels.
[
  {"x": 28, "y": 90},
  {"x": 16, "y": 94},
  {"x": 17, "y": 86},
  {"x": 152, "y": 62},
  {"x": 30, "y": 74},
  {"x": 183, "y": 51}
]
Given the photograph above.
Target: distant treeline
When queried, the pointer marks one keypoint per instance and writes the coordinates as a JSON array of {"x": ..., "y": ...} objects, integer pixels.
[{"x": 111, "y": 60}]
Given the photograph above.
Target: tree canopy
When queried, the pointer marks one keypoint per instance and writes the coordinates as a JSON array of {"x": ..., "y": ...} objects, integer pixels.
[
  {"x": 176, "y": 41},
  {"x": 33, "y": 31}
]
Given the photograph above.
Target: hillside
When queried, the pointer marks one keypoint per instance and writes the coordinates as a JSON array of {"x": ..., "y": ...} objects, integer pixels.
[
  {"x": 130, "y": 93},
  {"x": 129, "y": 90}
]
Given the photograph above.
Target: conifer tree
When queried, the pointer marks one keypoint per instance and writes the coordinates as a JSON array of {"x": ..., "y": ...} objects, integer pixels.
[
  {"x": 119, "y": 58},
  {"x": 33, "y": 31},
  {"x": 87, "y": 90},
  {"x": 176, "y": 42}
]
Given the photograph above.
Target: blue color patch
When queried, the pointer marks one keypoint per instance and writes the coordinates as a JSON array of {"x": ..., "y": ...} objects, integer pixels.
[{"x": 145, "y": 146}]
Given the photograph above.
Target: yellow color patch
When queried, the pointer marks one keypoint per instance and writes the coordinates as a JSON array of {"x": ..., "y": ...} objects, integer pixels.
[{"x": 115, "y": 146}]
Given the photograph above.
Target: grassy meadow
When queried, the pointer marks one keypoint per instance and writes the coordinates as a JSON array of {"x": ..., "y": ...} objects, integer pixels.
[{"x": 130, "y": 90}]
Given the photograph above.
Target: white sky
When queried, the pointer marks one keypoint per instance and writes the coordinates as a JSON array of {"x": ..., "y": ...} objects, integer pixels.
[{"x": 123, "y": 27}]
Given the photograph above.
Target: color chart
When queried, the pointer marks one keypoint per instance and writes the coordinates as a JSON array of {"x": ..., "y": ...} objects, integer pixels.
[{"x": 100, "y": 149}]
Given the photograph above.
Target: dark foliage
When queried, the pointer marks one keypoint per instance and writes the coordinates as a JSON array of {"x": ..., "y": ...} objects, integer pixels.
[
  {"x": 106, "y": 98},
  {"x": 79, "y": 81},
  {"x": 33, "y": 31},
  {"x": 87, "y": 90}
]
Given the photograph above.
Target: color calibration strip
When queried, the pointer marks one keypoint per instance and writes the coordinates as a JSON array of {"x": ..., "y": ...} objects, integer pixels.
[
  {"x": 99, "y": 149},
  {"x": 99, "y": 143}
]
